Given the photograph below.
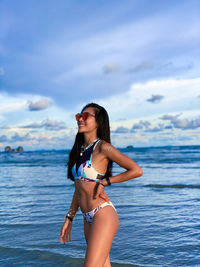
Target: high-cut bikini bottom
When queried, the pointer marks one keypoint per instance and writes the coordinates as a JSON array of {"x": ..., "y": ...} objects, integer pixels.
[{"x": 90, "y": 215}]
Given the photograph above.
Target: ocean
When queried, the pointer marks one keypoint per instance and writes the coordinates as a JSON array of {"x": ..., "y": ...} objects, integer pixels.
[{"x": 159, "y": 212}]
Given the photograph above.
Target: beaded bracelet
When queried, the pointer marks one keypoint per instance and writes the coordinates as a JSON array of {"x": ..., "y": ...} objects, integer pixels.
[{"x": 71, "y": 214}]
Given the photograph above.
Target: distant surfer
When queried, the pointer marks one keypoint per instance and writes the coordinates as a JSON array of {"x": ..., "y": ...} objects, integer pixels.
[{"x": 90, "y": 167}]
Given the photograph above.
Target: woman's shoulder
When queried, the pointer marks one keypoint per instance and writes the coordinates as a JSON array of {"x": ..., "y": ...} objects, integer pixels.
[{"x": 105, "y": 147}]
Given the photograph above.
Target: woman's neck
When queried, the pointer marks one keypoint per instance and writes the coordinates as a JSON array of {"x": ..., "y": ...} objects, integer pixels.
[{"x": 89, "y": 139}]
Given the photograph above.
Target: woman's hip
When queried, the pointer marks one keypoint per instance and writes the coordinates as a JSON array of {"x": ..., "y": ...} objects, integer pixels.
[{"x": 89, "y": 216}]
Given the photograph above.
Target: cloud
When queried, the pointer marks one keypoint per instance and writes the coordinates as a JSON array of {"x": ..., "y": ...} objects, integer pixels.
[
  {"x": 3, "y": 138},
  {"x": 39, "y": 141},
  {"x": 183, "y": 124},
  {"x": 39, "y": 105},
  {"x": 179, "y": 95},
  {"x": 170, "y": 117},
  {"x": 158, "y": 128},
  {"x": 145, "y": 127},
  {"x": 155, "y": 98},
  {"x": 4, "y": 127},
  {"x": 91, "y": 61},
  {"x": 166, "y": 66},
  {"x": 74, "y": 61},
  {"x": 141, "y": 125},
  {"x": 32, "y": 125},
  {"x": 11, "y": 103},
  {"x": 110, "y": 68},
  {"x": 17, "y": 137},
  {"x": 160, "y": 68},
  {"x": 54, "y": 125},
  {"x": 176, "y": 67},
  {"x": 168, "y": 127},
  {"x": 146, "y": 65},
  {"x": 27, "y": 137},
  {"x": 122, "y": 130},
  {"x": 48, "y": 124}
]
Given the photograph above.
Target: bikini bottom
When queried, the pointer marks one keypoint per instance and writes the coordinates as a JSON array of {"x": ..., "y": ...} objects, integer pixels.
[{"x": 90, "y": 215}]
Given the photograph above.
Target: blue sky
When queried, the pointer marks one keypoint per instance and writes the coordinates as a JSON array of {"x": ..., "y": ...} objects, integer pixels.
[{"x": 139, "y": 59}]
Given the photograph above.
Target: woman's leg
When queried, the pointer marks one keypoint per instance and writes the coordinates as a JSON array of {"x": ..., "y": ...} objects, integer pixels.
[
  {"x": 99, "y": 236},
  {"x": 87, "y": 227},
  {"x": 107, "y": 262}
]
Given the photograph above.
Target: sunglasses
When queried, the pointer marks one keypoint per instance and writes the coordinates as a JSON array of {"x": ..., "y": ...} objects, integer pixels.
[{"x": 84, "y": 116}]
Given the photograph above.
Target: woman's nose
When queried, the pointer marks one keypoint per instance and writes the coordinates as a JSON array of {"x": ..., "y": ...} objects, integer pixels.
[{"x": 81, "y": 119}]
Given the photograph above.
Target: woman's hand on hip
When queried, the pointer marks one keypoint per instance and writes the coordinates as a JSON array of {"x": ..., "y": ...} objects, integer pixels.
[
  {"x": 99, "y": 192},
  {"x": 65, "y": 232}
]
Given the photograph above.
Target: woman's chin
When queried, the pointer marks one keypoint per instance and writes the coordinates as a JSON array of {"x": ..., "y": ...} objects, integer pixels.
[{"x": 81, "y": 130}]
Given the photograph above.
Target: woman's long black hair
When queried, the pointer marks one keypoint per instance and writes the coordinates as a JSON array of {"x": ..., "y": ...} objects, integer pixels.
[{"x": 103, "y": 132}]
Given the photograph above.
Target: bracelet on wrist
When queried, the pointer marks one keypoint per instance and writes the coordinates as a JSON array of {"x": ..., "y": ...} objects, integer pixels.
[
  {"x": 108, "y": 180},
  {"x": 102, "y": 184},
  {"x": 68, "y": 217},
  {"x": 71, "y": 213}
]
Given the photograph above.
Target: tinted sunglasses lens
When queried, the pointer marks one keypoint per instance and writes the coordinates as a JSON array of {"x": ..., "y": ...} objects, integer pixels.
[
  {"x": 77, "y": 116},
  {"x": 85, "y": 116}
]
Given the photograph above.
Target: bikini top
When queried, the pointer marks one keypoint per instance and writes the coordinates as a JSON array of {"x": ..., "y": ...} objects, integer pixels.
[{"x": 83, "y": 168}]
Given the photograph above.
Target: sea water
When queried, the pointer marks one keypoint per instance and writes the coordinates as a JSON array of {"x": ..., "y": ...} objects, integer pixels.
[{"x": 159, "y": 212}]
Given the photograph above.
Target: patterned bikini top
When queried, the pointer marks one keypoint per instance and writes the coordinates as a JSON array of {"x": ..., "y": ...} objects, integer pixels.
[{"x": 83, "y": 168}]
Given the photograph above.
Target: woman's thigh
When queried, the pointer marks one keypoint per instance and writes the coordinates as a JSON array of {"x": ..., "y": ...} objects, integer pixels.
[
  {"x": 87, "y": 227},
  {"x": 100, "y": 236}
]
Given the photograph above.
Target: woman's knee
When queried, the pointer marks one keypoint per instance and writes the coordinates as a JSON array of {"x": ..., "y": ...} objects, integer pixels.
[
  {"x": 107, "y": 262},
  {"x": 92, "y": 263},
  {"x": 97, "y": 263}
]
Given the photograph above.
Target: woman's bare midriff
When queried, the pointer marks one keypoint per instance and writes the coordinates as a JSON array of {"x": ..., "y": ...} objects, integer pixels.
[{"x": 85, "y": 195}]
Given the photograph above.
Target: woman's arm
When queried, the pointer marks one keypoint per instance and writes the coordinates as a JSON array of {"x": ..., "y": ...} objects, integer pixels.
[
  {"x": 65, "y": 232},
  {"x": 133, "y": 170},
  {"x": 73, "y": 207}
]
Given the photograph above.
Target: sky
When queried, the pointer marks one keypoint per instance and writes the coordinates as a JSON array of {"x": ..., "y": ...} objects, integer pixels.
[{"x": 138, "y": 59}]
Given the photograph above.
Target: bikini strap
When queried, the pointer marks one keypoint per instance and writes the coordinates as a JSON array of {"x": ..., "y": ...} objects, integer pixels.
[
  {"x": 94, "y": 148},
  {"x": 96, "y": 143}
]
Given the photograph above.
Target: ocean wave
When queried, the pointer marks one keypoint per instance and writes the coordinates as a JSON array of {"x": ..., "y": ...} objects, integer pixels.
[
  {"x": 173, "y": 186},
  {"x": 34, "y": 257}
]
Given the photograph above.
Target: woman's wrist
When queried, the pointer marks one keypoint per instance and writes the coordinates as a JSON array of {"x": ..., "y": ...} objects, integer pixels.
[
  {"x": 108, "y": 180},
  {"x": 70, "y": 214},
  {"x": 102, "y": 183},
  {"x": 69, "y": 218},
  {"x": 105, "y": 181}
]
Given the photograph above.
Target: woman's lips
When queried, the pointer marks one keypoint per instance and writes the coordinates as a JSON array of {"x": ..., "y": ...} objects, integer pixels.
[{"x": 81, "y": 125}]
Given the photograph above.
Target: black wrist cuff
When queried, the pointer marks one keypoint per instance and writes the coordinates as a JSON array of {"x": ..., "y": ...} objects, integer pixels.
[
  {"x": 68, "y": 217},
  {"x": 108, "y": 180}
]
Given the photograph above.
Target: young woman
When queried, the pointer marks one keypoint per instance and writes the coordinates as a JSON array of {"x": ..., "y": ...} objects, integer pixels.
[{"x": 90, "y": 166}]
